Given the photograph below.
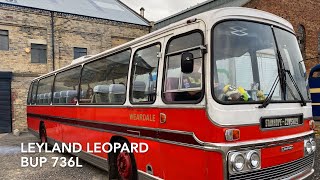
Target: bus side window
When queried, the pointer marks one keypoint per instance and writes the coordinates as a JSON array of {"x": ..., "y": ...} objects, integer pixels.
[
  {"x": 179, "y": 86},
  {"x": 144, "y": 74},
  {"x": 66, "y": 86},
  {"x": 44, "y": 90},
  {"x": 104, "y": 81}
]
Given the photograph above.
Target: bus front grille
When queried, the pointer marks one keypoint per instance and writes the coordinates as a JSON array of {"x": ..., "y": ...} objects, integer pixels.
[{"x": 277, "y": 172}]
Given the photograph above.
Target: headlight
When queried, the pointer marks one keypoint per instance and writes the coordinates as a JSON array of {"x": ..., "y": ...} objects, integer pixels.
[
  {"x": 313, "y": 145},
  {"x": 253, "y": 159},
  {"x": 308, "y": 147},
  {"x": 237, "y": 161}
]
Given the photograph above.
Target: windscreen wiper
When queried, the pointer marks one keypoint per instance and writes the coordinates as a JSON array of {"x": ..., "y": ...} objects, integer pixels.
[
  {"x": 283, "y": 74},
  {"x": 303, "y": 101},
  {"x": 266, "y": 102},
  {"x": 282, "y": 78}
]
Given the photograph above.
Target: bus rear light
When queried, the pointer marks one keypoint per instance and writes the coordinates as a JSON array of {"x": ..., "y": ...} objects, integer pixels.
[
  {"x": 232, "y": 134},
  {"x": 312, "y": 124}
]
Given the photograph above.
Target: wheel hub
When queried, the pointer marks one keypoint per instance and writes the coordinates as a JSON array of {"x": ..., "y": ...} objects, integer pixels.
[{"x": 124, "y": 165}]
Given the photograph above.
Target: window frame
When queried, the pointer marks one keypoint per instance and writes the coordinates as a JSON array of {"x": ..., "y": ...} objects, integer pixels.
[
  {"x": 46, "y": 53},
  {"x": 178, "y": 52},
  {"x": 74, "y": 52},
  {"x": 54, "y": 82},
  {"x": 106, "y": 56},
  {"x": 131, "y": 74},
  {"x": 7, "y": 35},
  {"x": 35, "y": 83},
  {"x": 212, "y": 64},
  {"x": 48, "y": 76},
  {"x": 29, "y": 97}
]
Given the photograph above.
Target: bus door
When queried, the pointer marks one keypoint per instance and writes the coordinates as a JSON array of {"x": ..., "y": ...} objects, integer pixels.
[
  {"x": 183, "y": 101},
  {"x": 143, "y": 99},
  {"x": 314, "y": 84}
]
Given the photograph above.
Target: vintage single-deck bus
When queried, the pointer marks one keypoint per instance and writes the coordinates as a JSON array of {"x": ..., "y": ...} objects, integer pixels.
[{"x": 221, "y": 95}]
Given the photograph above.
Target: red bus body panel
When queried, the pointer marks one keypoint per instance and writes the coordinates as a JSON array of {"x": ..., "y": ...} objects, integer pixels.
[{"x": 171, "y": 158}]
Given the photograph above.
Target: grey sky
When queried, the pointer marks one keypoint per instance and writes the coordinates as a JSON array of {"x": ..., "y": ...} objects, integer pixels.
[{"x": 158, "y": 9}]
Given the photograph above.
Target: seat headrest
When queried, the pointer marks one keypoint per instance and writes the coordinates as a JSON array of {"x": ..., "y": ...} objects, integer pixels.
[
  {"x": 41, "y": 96},
  {"x": 139, "y": 86},
  {"x": 117, "y": 89},
  {"x": 101, "y": 89},
  {"x": 56, "y": 94},
  {"x": 71, "y": 93},
  {"x": 63, "y": 94}
]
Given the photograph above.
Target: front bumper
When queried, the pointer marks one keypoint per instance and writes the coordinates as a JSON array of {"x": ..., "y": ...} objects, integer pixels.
[{"x": 298, "y": 169}]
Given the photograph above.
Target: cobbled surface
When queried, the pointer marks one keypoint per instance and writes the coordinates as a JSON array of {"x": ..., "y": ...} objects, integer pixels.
[{"x": 10, "y": 163}]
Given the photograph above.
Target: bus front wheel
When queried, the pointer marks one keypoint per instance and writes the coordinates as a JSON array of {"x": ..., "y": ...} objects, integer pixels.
[{"x": 123, "y": 165}]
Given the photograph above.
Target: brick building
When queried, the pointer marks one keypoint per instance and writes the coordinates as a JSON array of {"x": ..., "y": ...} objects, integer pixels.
[
  {"x": 37, "y": 37},
  {"x": 303, "y": 15}
]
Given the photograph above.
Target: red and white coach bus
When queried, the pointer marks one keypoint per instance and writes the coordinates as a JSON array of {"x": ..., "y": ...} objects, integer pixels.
[{"x": 221, "y": 95}]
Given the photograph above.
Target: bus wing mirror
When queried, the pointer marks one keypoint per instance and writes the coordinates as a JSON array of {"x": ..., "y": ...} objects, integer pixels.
[{"x": 187, "y": 62}]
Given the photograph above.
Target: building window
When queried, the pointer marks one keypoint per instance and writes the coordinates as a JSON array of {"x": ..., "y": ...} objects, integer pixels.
[
  {"x": 79, "y": 52},
  {"x": 4, "y": 40},
  {"x": 301, "y": 36},
  {"x": 38, "y": 53}
]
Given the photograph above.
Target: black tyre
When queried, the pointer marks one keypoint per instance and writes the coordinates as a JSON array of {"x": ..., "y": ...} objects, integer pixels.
[{"x": 123, "y": 165}]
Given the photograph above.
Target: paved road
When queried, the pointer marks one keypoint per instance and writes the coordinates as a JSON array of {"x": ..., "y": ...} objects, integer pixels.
[{"x": 10, "y": 167}]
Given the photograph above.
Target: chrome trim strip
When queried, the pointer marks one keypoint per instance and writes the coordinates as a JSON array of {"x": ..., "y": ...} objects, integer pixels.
[
  {"x": 88, "y": 157},
  {"x": 305, "y": 174},
  {"x": 261, "y": 143},
  {"x": 145, "y": 176}
]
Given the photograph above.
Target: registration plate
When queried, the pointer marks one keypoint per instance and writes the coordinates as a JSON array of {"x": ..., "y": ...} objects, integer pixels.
[{"x": 281, "y": 121}]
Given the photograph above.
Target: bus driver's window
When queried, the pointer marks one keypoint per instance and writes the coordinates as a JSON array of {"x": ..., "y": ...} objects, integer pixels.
[{"x": 179, "y": 86}]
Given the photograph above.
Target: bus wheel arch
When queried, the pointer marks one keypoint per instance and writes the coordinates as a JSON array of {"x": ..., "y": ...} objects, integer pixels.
[{"x": 122, "y": 165}]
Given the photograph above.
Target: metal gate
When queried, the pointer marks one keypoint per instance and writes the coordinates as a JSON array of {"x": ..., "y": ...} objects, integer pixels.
[{"x": 5, "y": 102}]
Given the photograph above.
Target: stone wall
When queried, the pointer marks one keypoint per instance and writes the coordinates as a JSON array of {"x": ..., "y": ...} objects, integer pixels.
[{"x": 26, "y": 26}]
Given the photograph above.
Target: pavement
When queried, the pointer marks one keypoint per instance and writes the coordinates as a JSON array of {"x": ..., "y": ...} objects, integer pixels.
[{"x": 10, "y": 163}]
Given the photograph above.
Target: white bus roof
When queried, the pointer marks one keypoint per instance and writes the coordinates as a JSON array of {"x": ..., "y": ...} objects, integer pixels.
[{"x": 209, "y": 16}]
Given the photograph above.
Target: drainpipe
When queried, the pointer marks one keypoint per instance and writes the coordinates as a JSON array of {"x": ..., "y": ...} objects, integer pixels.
[{"x": 52, "y": 39}]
